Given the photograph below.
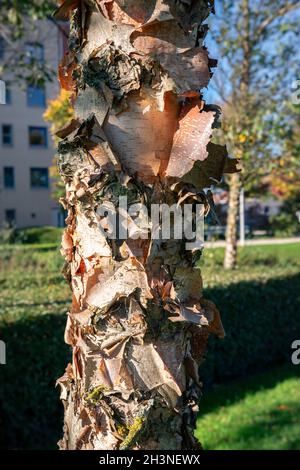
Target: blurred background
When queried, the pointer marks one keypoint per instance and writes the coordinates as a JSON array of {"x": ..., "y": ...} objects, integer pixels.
[{"x": 251, "y": 261}]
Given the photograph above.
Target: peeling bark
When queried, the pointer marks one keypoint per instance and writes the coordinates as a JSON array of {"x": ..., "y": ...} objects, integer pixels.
[{"x": 139, "y": 323}]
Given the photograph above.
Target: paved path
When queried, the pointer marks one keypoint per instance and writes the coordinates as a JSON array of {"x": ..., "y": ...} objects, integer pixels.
[{"x": 264, "y": 241}]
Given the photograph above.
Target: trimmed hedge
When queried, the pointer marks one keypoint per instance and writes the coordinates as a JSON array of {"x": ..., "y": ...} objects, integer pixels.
[
  {"x": 40, "y": 235},
  {"x": 30, "y": 411},
  {"x": 261, "y": 320},
  {"x": 31, "y": 235}
]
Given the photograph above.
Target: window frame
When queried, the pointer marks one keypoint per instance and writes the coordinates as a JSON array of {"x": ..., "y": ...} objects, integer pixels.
[
  {"x": 14, "y": 219},
  {"x": 39, "y": 146},
  {"x": 5, "y": 185},
  {"x": 34, "y": 169},
  {"x": 8, "y": 96},
  {"x": 2, "y": 48},
  {"x": 31, "y": 89},
  {"x": 11, "y": 143},
  {"x": 31, "y": 56}
]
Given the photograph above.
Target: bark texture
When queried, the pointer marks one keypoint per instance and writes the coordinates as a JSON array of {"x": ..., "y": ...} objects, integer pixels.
[{"x": 139, "y": 323}]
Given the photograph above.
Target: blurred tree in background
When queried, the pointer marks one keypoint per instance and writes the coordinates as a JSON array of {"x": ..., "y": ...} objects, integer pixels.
[
  {"x": 284, "y": 179},
  {"x": 59, "y": 112},
  {"x": 254, "y": 85},
  {"x": 18, "y": 18}
]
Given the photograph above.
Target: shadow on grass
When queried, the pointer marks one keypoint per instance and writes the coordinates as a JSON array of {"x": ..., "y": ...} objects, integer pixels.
[
  {"x": 275, "y": 426},
  {"x": 30, "y": 410},
  {"x": 238, "y": 389},
  {"x": 261, "y": 412},
  {"x": 271, "y": 431}
]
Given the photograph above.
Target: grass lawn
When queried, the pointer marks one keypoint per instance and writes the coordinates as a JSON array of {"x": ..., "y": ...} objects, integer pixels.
[
  {"x": 254, "y": 263},
  {"x": 261, "y": 412},
  {"x": 31, "y": 282}
]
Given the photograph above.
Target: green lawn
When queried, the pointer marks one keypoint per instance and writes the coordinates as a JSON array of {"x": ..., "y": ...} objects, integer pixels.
[
  {"x": 30, "y": 277},
  {"x": 258, "y": 413},
  {"x": 31, "y": 283},
  {"x": 254, "y": 263}
]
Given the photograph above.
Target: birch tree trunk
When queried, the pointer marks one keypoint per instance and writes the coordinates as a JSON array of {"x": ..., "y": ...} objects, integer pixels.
[
  {"x": 139, "y": 323},
  {"x": 235, "y": 180},
  {"x": 230, "y": 259}
]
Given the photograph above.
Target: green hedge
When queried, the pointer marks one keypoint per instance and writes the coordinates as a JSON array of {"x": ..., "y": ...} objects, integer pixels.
[
  {"x": 40, "y": 235},
  {"x": 31, "y": 235},
  {"x": 261, "y": 320},
  {"x": 30, "y": 411}
]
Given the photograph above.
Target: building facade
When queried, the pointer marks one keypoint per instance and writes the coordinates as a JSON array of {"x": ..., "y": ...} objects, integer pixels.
[{"x": 26, "y": 148}]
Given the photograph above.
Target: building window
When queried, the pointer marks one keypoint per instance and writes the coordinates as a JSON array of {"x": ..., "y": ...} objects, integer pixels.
[
  {"x": 36, "y": 96},
  {"x": 8, "y": 96},
  {"x": 39, "y": 177},
  {"x": 2, "y": 48},
  {"x": 34, "y": 52},
  {"x": 9, "y": 177},
  {"x": 59, "y": 216},
  {"x": 38, "y": 136},
  {"x": 10, "y": 217},
  {"x": 7, "y": 134}
]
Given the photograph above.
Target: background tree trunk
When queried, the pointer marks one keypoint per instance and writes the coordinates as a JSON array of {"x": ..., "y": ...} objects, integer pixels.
[
  {"x": 138, "y": 323},
  {"x": 235, "y": 181},
  {"x": 230, "y": 259}
]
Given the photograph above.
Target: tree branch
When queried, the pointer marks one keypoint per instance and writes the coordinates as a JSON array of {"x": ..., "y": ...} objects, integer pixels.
[{"x": 277, "y": 14}]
